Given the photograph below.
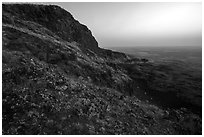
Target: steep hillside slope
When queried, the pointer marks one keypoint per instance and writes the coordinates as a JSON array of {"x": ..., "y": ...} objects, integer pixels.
[{"x": 56, "y": 80}]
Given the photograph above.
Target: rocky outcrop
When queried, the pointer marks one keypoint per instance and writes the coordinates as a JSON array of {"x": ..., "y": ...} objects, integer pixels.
[
  {"x": 56, "y": 80},
  {"x": 53, "y": 18}
]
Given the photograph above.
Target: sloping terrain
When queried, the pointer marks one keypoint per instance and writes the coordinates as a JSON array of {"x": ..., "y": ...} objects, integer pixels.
[{"x": 57, "y": 80}]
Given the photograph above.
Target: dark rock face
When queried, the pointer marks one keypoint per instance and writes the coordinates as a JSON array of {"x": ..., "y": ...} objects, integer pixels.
[
  {"x": 56, "y": 80},
  {"x": 53, "y": 18}
]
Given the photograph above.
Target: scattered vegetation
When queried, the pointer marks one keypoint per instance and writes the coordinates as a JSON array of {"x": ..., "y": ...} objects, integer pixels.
[{"x": 56, "y": 80}]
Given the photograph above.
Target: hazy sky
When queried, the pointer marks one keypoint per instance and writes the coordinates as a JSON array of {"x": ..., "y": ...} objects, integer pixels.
[{"x": 140, "y": 24}]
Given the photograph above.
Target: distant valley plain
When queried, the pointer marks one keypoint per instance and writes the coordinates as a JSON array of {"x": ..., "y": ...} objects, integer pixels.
[{"x": 177, "y": 71}]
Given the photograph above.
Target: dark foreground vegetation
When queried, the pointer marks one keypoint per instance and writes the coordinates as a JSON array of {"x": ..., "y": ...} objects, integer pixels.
[{"x": 56, "y": 80}]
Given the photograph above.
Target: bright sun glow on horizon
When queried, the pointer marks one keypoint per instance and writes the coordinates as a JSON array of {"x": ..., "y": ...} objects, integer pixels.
[{"x": 172, "y": 21}]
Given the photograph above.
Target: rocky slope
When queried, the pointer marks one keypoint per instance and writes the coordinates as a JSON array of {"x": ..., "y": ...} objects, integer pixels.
[{"x": 57, "y": 80}]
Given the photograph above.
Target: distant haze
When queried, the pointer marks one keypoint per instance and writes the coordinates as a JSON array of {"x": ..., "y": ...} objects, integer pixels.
[{"x": 140, "y": 24}]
